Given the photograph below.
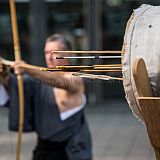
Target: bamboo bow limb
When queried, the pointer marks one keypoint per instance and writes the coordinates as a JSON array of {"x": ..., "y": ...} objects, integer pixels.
[{"x": 17, "y": 54}]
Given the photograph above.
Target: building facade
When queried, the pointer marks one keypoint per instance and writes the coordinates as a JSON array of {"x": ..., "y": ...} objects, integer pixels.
[{"x": 88, "y": 24}]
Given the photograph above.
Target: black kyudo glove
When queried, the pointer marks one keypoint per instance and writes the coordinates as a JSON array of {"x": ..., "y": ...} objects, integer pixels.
[{"x": 4, "y": 75}]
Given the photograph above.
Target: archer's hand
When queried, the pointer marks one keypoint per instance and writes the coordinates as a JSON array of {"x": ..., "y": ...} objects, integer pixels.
[{"x": 18, "y": 67}]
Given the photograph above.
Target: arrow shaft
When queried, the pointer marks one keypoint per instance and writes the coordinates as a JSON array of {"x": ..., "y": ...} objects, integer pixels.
[
  {"x": 87, "y": 57},
  {"x": 90, "y": 52}
]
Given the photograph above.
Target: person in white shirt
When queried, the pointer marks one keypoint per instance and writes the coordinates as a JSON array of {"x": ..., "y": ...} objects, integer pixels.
[{"x": 54, "y": 107}]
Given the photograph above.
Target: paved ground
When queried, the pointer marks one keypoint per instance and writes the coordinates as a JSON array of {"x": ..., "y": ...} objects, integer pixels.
[{"x": 117, "y": 135}]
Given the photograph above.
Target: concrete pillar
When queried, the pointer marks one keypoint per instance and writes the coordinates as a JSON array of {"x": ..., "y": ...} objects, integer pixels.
[
  {"x": 93, "y": 22},
  {"x": 38, "y": 28}
]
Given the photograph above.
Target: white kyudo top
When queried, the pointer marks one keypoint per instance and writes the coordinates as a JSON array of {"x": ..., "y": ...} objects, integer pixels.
[
  {"x": 69, "y": 113},
  {"x": 4, "y": 97}
]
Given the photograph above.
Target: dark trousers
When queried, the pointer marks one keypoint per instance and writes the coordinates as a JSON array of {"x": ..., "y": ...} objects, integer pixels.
[{"x": 46, "y": 150}]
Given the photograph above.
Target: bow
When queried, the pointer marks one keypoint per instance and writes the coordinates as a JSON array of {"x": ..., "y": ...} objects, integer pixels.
[{"x": 17, "y": 54}]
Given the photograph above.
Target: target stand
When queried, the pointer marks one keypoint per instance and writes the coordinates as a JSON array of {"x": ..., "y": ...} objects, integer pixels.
[{"x": 149, "y": 105}]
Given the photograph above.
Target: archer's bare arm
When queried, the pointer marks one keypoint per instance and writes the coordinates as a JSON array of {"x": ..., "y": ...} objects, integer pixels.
[{"x": 64, "y": 80}]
